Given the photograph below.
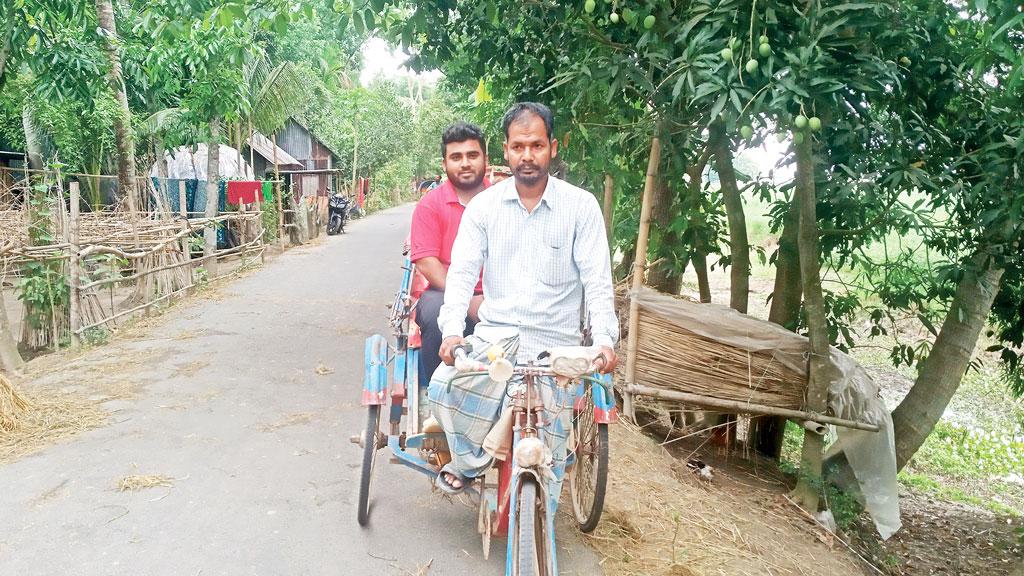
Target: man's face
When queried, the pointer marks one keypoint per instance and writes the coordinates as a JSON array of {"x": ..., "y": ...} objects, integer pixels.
[
  {"x": 464, "y": 163},
  {"x": 528, "y": 150}
]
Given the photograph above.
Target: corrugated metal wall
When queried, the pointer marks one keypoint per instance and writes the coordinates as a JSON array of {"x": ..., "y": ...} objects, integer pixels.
[{"x": 295, "y": 140}]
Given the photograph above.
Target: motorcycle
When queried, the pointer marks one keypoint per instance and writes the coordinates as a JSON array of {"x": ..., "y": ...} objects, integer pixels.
[{"x": 338, "y": 208}]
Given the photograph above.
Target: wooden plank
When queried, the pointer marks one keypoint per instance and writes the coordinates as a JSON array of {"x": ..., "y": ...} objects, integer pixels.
[{"x": 744, "y": 407}]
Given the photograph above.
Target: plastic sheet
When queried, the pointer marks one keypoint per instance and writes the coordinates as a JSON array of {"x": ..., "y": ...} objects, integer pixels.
[{"x": 183, "y": 164}]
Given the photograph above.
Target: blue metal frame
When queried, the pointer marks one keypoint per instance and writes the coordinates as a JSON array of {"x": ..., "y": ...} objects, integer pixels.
[{"x": 375, "y": 380}]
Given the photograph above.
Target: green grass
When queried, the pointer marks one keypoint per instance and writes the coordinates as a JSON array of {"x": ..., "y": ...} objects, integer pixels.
[
  {"x": 955, "y": 464},
  {"x": 928, "y": 485}
]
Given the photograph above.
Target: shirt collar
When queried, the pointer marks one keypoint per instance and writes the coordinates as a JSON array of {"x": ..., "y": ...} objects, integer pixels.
[
  {"x": 448, "y": 191},
  {"x": 451, "y": 196},
  {"x": 548, "y": 198}
]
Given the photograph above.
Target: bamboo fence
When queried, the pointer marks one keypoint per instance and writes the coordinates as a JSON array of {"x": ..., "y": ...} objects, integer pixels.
[{"x": 148, "y": 253}]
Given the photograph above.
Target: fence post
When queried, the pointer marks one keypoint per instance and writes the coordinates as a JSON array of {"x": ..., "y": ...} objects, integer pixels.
[
  {"x": 280, "y": 212},
  {"x": 243, "y": 231},
  {"x": 186, "y": 246},
  {"x": 259, "y": 222},
  {"x": 74, "y": 268}
]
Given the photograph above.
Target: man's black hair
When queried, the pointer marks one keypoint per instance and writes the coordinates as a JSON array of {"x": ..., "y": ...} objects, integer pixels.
[
  {"x": 520, "y": 109},
  {"x": 460, "y": 132}
]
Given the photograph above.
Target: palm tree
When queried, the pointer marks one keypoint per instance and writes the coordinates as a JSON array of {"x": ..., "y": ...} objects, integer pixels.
[{"x": 123, "y": 124}]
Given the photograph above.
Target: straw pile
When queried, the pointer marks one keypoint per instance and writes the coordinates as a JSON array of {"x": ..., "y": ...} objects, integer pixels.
[
  {"x": 48, "y": 419},
  {"x": 659, "y": 520},
  {"x": 139, "y": 482},
  {"x": 12, "y": 405},
  {"x": 673, "y": 358}
]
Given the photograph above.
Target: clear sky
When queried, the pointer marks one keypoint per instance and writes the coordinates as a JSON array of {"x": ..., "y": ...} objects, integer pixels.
[{"x": 380, "y": 59}]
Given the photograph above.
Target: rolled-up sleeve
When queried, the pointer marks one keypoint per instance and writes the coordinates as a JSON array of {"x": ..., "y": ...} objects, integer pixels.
[
  {"x": 590, "y": 251},
  {"x": 468, "y": 254}
]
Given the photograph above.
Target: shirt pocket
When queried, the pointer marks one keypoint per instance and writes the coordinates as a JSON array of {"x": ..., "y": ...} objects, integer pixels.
[{"x": 556, "y": 266}]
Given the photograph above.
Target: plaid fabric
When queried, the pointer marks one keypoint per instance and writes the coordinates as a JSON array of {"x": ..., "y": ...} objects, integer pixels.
[{"x": 472, "y": 406}]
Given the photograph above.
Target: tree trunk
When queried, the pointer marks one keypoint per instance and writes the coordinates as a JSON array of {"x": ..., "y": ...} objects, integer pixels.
[
  {"x": 787, "y": 293},
  {"x": 808, "y": 487},
  {"x": 699, "y": 257},
  {"x": 123, "y": 122},
  {"x": 941, "y": 372},
  {"x": 5, "y": 45},
  {"x": 663, "y": 276},
  {"x": 10, "y": 359},
  {"x": 700, "y": 266},
  {"x": 608, "y": 207},
  {"x": 33, "y": 147},
  {"x": 212, "y": 196},
  {"x": 739, "y": 248},
  {"x": 767, "y": 432}
]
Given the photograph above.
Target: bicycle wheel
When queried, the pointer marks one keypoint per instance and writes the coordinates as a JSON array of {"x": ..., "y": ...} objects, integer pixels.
[
  {"x": 369, "y": 456},
  {"x": 531, "y": 533},
  {"x": 589, "y": 478}
]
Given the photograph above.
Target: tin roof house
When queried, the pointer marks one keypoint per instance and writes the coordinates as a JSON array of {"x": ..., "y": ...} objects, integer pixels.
[{"x": 312, "y": 167}]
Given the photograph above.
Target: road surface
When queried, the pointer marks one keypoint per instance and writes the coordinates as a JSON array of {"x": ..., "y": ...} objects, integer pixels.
[{"x": 228, "y": 402}]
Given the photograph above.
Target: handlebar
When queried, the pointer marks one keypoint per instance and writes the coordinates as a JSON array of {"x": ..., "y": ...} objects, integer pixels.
[{"x": 568, "y": 362}]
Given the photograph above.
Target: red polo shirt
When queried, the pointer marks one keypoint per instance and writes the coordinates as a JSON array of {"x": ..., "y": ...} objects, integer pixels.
[{"x": 435, "y": 222}]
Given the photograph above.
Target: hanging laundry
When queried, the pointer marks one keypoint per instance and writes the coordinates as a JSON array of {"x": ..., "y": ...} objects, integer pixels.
[
  {"x": 243, "y": 191},
  {"x": 268, "y": 192}
]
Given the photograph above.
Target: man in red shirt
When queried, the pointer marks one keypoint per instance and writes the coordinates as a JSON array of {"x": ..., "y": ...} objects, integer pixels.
[{"x": 435, "y": 222}]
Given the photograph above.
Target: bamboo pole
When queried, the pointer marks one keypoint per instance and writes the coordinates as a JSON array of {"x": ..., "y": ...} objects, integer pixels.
[
  {"x": 744, "y": 407},
  {"x": 252, "y": 151},
  {"x": 74, "y": 265},
  {"x": 186, "y": 246},
  {"x": 609, "y": 208},
  {"x": 639, "y": 264},
  {"x": 278, "y": 188}
]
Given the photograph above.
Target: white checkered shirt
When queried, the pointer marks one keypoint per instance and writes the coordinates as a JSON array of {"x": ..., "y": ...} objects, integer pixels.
[{"x": 536, "y": 268}]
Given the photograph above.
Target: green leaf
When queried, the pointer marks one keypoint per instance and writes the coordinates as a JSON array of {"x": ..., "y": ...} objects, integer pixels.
[
  {"x": 369, "y": 19},
  {"x": 704, "y": 89},
  {"x": 678, "y": 87},
  {"x": 718, "y": 107},
  {"x": 736, "y": 102}
]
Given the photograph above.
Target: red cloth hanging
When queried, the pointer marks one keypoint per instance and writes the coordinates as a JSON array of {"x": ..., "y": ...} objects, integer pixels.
[{"x": 243, "y": 191}]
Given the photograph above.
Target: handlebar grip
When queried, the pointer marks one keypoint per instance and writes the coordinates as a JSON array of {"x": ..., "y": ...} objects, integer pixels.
[{"x": 462, "y": 350}]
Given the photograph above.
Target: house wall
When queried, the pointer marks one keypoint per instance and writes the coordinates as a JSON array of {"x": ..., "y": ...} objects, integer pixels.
[
  {"x": 307, "y": 149},
  {"x": 298, "y": 142},
  {"x": 260, "y": 165}
]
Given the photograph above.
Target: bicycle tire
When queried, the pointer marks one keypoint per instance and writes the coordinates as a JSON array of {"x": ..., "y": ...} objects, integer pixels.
[
  {"x": 528, "y": 560},
  {"x": 589, "y": 479},
  {"x": 369, "y": 457}
]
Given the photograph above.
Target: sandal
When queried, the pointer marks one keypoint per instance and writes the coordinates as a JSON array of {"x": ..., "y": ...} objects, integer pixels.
[{"x": 445, "y": 485}]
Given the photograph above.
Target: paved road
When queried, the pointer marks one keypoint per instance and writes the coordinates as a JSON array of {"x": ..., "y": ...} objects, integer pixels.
[{"x": 231, "y": 406}]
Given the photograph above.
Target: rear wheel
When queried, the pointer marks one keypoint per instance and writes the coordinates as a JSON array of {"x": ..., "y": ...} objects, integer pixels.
[
  {"x": 589, "y": 478},
  {"x": 370, "y": 437}
]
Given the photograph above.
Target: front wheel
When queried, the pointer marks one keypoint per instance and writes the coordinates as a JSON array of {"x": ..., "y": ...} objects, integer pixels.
[
  {"x": 369, "y": 444},
  {"x": 335, "y": 225},
  {"x": 531, "y": 533}
]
